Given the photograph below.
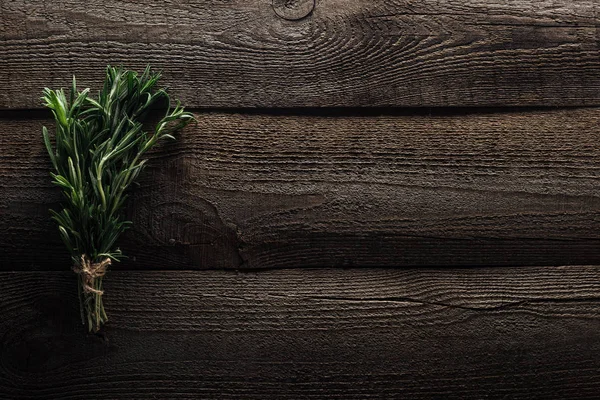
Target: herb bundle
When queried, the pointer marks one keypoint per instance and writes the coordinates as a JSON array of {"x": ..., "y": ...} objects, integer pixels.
[{"x": 97, "y": 154}]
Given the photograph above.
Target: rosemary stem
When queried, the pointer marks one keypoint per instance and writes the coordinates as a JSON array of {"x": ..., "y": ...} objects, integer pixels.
[
  {"x": 89, "y": 313},
  {"x": 97, "y": 296},
  {"x": 80, "y": 298},
  {"x": 102, "y": 311}
]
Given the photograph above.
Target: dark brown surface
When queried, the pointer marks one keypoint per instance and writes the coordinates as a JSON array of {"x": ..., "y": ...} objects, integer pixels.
[
  {"x": 343, "y": 53},
  {"x": 294, "y": 188},
  {"x": 505, "y": 333},
  {"x": 271, "y": 191}
]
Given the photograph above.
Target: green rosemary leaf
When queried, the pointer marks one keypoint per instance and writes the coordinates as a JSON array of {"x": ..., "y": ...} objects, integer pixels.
[
  {"x": 73, "y": 89},
  {"x": 49, "y": 146}
]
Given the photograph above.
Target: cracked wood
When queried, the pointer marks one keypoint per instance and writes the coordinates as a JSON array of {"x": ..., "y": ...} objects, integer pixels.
[
  {"x": 343, "y": 53},
  {"x": 518, "y": 333},
  {"x": 268, "y": 191}
]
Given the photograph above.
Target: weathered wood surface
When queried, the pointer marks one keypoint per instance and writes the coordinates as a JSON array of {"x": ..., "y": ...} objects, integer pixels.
[
  {"x": 270, "y": 191},
  {"x": 518, "y": 333},
  {"x": 250, "y": 53}
]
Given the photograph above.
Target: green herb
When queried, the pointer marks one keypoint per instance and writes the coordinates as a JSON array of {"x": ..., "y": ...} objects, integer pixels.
[{"x": 98, "y": 152}]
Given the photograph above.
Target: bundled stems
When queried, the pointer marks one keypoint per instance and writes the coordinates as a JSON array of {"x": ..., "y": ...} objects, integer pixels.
[
  {"x": 91, "y": 305},
  {"x": 98, "y": 151},
  {"x": 90, "y": 290}
]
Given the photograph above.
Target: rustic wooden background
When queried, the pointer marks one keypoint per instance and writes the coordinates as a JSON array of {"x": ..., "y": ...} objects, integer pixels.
[{"x": 381, "y": 199}]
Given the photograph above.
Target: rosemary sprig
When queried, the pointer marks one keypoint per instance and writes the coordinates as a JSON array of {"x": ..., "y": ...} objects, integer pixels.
[{"x": 97, "y": 153}]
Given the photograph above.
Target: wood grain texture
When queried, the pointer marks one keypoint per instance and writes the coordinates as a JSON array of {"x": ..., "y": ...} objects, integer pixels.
[
  {"x": 342, "y": 53},
  {"x": 518, "y": 333},
  {"x": 271, "y": 191}
]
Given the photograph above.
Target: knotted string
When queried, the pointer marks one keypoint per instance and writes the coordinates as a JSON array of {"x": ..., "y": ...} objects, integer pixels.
[{"x": 90, "y": 271}]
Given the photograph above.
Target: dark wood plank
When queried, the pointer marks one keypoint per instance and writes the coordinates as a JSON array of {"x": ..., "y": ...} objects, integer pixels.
[
  {"x": 270, "y": 191},
  {"x": 344, "y": 53},
  {"x": 518, "y": 333}
]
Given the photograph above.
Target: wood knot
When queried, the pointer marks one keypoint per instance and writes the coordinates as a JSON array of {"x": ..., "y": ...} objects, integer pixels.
[{"x": 293, "y": 10}]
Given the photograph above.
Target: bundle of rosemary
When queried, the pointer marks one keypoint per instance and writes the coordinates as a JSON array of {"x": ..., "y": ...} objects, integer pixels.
[{"x": 98, "y": 152}]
